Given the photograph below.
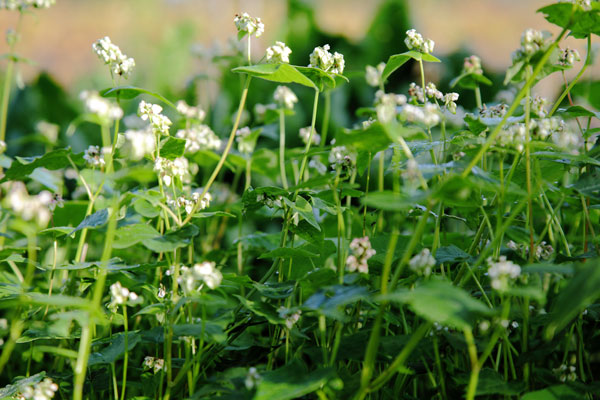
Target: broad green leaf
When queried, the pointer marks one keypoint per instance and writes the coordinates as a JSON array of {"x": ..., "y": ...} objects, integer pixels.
[
  {"x": 588, "y": 184},
  {"x": 288, "y": 252},
  {"x": 304, "y": 209},
  {"x": 131, "y": 92},
  {"x": 279, "y": 72},
  {"x": 172, "y": 240},
  {"x": 557, "y": 392},
  {"x": 9, "y": 391},
  {"x": 145, "y": 208},
  {"x": 330, "y": 301},
  {"x": 451, "y": 254},
  {"x": 323, "y": 80},
  {"x": 373, "y": 139},
  {"x": 440, "y": 301},
  {"x": 275, "y": 290},
  {"x": 95, "y": 220},
  {"x": 398, "y": 60},
  {"x": 213, "y": 332},
  {"x": 130, "y": 235},
  {"x": 172, "y": 148},
  {"x": 22, "y": 167},
  {"x": 113, "y": 262},
  {"x": 567, "y": 158},
  {"x": 115, "y": 349},
  {"x": 575, "y": 111},
  {"x": 210, "y": 214},
  {"x": 491, "y": 382},
  {"x": 580, "y": 22},
  {"x": 581, "y": 291},
  {"x": 262, "y": 309},
  {"x": 470, "y": 81},
  {"x": 292, "y": 381},
  {"x": 55, "y": 300},
  {"x": 390, "y": 201}
]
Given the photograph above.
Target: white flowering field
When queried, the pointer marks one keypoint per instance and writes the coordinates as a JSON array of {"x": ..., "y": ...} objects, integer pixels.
[{"x": 335, "y": 222}]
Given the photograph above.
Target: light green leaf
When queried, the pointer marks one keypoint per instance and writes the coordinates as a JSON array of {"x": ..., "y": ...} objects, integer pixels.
[
  {"x": 304, "y": 209},
  {"x": 130, "y": 235},
  {"x": 131, "y": 92},
  {"x": 279, "y": 72},
  {"x": 398, "y": 60},
  {"x": 95, "y": 220},
  {"x": 558, "y": 392},
  {"x": 172, "y": 148}
]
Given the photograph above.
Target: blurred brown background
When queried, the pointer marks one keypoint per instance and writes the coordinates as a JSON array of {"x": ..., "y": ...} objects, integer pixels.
[{"x": 59, "y": 39}]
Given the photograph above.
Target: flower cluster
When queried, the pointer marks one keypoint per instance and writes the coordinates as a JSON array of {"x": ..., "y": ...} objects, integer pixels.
[
  {"x": 565, "y": 373},
  {"x": 422, "y": 263},
  {"x": 171, "y": 169},
  {"x": 44, "y": 390},
  {"x": 253, "y": 378},
  {"x": 472, "y": 65},
  {"x": 247, "y": 25},
  {"x": 112, "y": 56},
  {"x": 570, "y": 140},
  {"x": 30, "y": 207},
  {"x": 428, "y": 115},
  {"x": 190, "y": 112},
  {"x": 152, "y": 113},
  {"x": 192, "y": 279},
  {"x": 341, "y": 156},
  {"x": 141, "y": 142},
  {"x": 93, "y": 156},
  {"x": 502, "y": 272},
  {"x": 323, "y": 59},
  {"x": 585, "y": 4},
  {"x": 120, "y": 295},
  {"x": 285, "y": 97},
  {"x": 21, "y": 4},
  {"x": 305, "y": 135},
  {"x": 496, "y": 111},
  {"x": 361, "y": 252},
  {"x": 415, "y": 41},
  {"x": 199, "y": 137},
  {"x": 291, "y": 316},
  {"x": 543, "y": 251},
  {"x": 373, "y": 75},
  {"x": 386, "y": 105},
  {"x": 568, "y": 56},
  {"x": 532, "y": 41},
  {"x": 243, "y": 139},
  {"x": 196, "y": 201},
  {"x": 155, "y": 364},
  {"x": 278, "y": 53},
  {"x": 103, "y": 108}
]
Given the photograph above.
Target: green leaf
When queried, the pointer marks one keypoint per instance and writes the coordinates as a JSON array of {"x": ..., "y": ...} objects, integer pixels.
[
  {"x": 491, "y": 382},
  {"x": 280, "y": 72},
  {"x": 304, "y": 209},
  {"x": 440, "y": 301},
  {"x": 131, "y": 92},
  {"x": 130, "y": 235},
  {"x": 288, "y": 252},
  {"x": 373, "y": 139},
  {"x": 580, "y": 22},
  {"x": 213, "y": 332},
  {"x": 22, "y": 167},
  {"x": 575, "y": 111},
  {"x": 172, "y": 240},
  {"x": 172, "y": 148},
  {"x": 95, "y": 220},
  {"x": 275, "y": 290},
  {"x": 292, "y": 381},
  {"x": 558, "y": 392},
  {"x": 145, "y": 208},
  {"x": 390, "y": 201},
  {"x": 262, "y": 309},
  {"x": 581, "y": 291},
  {"x": 329, "y": 301},
  {"x": 323, "y": 80},
  {"x": 451, "y": 254},
  {"x": 470, "y": 81},
  {"x": 115, "y": 349},
  {"x": 398, "y": 60},
  {"x": 9, "y": 391}
]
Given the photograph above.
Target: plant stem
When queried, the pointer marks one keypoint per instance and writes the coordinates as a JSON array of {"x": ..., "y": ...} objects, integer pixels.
[
  {"x": 300, "y": 177},
  {"x": 326, "y": 118},
  {"x": 8, "y": 80},
  {"x": 126, "y": 355},
  {"x": 284, "y": 181}
]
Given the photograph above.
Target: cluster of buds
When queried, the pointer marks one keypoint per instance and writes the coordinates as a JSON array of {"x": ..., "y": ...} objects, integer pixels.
[
  {"x": 472, "y": 65},
  {"x": 112, "y": 56},
  {"x": 532, "y": 41},
  {"x": 373, "y": 75},
  {"x": 543, "y": 251},
  {"x": 190, "y": 112},
  {"x": 169, "y": 170},
  {"x": 285, "y": 97},
  {"x": 244, "y": 140},
  {"x": 247, "y": 25},
  {"x": 542, "y": 128},
  {"x": 192, "y": 279},
  {"x": 496, "y": 111},
  {"x": 44, "y": 390},
  {"x": 278, "y": 53},
  {"x": 154, "y": 364},
  {"x": 152, "y": 113},
  {"x": 95, "y": 104},
  {"x": 428, "y": 115},
  {"x": 270, "y": 200},
  {"x": 321, "y": 58},
  {"x": 120, "y": 295},
  {"x": 36, "y": 207},
  {"x": 290, "y": 316},
  {"x": 341, "y": 156},
  {"x": 568, "y": 56},
  {"x": 22, "y": 4},
  {"x": 195, "y": 202},
  {"x": 501, "y": 272},
  {"x": 422, "y": 263},
  {"x": 253, "y": 378},
  {"x": 565, "y": 373},
  {"x": 415, "y": 41},
  {"x": 305, "y": 135},
  {"x": 93, "y": 156},
  {"x": 513, "y": 135},
  {"x": 538, "y": 106},
  {"x": 199, "y": 137},
  {"x": 361, "y": 252},
  {"x": 141, "y": 142},
  {"x": 386, "y": 105}
]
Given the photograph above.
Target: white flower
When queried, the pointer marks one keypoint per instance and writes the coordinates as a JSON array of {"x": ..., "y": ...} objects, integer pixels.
[
  {"x": 21, "y": 4},
  {"x": 338, "y": 63},
  {"x": 141, "y": 142},
  {"x": 93, "y": 156},
  {"x": 199, "y": 137},
  {"x": 323, "y": 59},
  {"x": 95, "y": 104},
  {"x": 205, "y": 272},
  {"x": 422, "y": 263},
  {"x": 245, "y": 145},
  {"x": 203, "y": 202},
  {"x": 472, "y": 65},
  {"x": 565, "y": 373},
  {"x": 415, "y": 41},
  {"x": 247, "y": 25},
  {"x": 532, "y": 41},
  {"x": 110, "y": 53},
  {"x": 155, "y": 364},
  {"x": 43, "y": 390},
  {"x": 305, "y": 135},
  {"x": 291, "y": 316},
  {"x": 416, "y": 92},
  {"x": 252, "y": 378},
  {"x": 152, "y": 113},
  {"x": 2, "y": 146},
  {"x": 386, "y": 105},
  {"x": 501, "y": 272},
  {"x": 190, "y": 112},
  {"x": 341, "y": 156},
  {"x": 285, "y": 97},
  {"x": 432, "y": 91},
  {"x": 428, "y": 114},
  {"x": 279, "y": 52},
  {"x": 30, "y": 207},
  {"x": 449, "y": 101},
  {"x": 168, "y": 170},
  {"x": 373, "y": 74},
  {"x": 361, "y": 252},
  {"x": 568, "y": 57}
]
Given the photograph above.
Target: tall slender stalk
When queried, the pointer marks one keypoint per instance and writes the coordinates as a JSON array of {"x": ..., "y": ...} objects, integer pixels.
[{"x": 8, "y": 77}]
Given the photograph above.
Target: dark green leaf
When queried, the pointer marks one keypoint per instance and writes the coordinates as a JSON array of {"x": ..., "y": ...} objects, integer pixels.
[
  {"x": 451, "y": 254},
  {"x": 22, "y": 167},
  {"x": 95, "y": 220},
  {"x": 580, "y": 22},
  {"x": 130, "y": 235},
  {"x": 292, "y": 381},
  {"x": 172, "y": 148},
  {"x": 558, "y": 392},
  {"x": 115, "y": 349}
]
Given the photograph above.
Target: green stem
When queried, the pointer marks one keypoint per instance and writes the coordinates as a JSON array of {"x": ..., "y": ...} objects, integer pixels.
[
  {"x": 284, "y": 181},
  {"x": 528, "y": 169},
  {"x": 126, "y": 355},
  {"x": 475, "y": 366},
  {"x": 300, "y": 177},
  {"x": 8, "y": 80},
  {"x": 326, "y": 117}
]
